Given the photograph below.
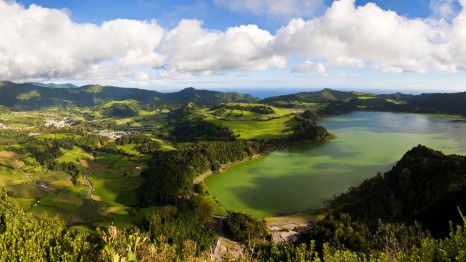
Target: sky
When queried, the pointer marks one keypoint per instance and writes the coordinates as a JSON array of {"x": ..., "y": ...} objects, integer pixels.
[{"x": 237, "y": 44}]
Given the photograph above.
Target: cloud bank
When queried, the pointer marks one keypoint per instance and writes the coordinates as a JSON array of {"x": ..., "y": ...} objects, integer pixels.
[
  {"x": 44, "y": 43},
  {"x": 41, "y": 43}
]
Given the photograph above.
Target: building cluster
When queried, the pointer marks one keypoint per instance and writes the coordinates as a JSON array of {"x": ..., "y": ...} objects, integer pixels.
[{"x": 59, "y": 124}]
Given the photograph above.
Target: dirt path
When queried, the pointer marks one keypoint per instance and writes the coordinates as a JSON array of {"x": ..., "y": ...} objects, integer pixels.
[
  {"x": 89, "y": 184},
  {"x": 285, "y": 228},
  {"x": 201, "y": 178},
  {"x": 29, "y": 178}
]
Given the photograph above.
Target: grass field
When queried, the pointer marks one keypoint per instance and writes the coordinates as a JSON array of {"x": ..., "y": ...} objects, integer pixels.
[
  {"x": 366, "y": 97},
  {"x": 9, "y": 176},
  {"x": 86, "y": 214},
  {"x": 108, "y": 159},
  {"x": 26, "y": 203},
  {"x": 73, "y": 155},
  {"x": 62, "y": 201},
  {"x": 219, "y": 210},
  {"x": 129, "y": 148},
  {"x": 396, "y": 102},
  {"x": 115, "y": 191},
  {"x": 24, "y": 190},
  {"x": 270, "y": 129}
]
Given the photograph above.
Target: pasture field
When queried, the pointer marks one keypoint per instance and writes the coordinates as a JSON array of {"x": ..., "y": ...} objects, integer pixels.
[
  {"x": 396, "y": 102},
  {"x": 63, "y": 201},
  {"x": 9, "y": 176},
  {"x": 270, "y": 129},
  {"x": 107, "y": 159},
  {"x": 129, "y": 149},
  {"x": 73, "y": 155},
  {"x": 115, "y": 190}
]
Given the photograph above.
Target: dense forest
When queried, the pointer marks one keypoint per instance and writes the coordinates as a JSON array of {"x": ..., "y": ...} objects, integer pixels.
[{"x": 171, "y": 173}]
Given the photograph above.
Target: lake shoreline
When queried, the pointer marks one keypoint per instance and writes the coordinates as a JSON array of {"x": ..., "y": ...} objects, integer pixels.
[
  {"x": 369, "y": 143},
  {"x": 201, "y": 178}
]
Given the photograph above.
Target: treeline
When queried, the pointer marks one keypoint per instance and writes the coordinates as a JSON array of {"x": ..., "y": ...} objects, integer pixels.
[
  {"x": 171, "y": 173},
  {"x": 244, "y": 228},
  {"x": 259, "y": 109},
  {"x": 201, "y": 131},
  {"x": 185, "y": 222},
  {"x": 306, "y": 130},
  {"x": 119, "y": 110},
  {"x": 186, "y": 124},
  {"x": 340, "y": 239},
  {"x": 47, "y": 156},
  {"x": 87, "y": 141}
]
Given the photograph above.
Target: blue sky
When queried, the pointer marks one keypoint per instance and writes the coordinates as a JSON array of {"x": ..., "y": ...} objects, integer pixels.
[
  {"x": 214, "y": 44},
  {"x": 168, "y": 13}
]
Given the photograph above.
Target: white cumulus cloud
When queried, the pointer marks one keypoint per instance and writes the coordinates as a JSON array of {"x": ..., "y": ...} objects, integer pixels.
[
  {"x": 347, "y": 35},
  {"x": 310, "y": 68},
  {"x": 191, "y": 48},
  {"x": 40, "y": 42}
]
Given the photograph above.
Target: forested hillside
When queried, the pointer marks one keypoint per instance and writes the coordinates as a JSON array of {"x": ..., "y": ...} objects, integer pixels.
[
  {"x": 34, "y": 96},
  {"x": 331, "y": 102},
  {"x": 411, "y": 213},
  {"x": 425, "y": 186}
]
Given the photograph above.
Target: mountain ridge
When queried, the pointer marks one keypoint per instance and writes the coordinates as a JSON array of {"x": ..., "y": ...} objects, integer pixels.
[{"x": 32, "y": 96}]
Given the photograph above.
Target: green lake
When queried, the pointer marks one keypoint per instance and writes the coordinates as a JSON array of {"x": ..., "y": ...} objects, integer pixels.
[{"x": 302, "y": 177}]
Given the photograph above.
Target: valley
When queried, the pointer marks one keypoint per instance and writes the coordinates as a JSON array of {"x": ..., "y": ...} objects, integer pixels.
[{"x": 101, "y": 157}]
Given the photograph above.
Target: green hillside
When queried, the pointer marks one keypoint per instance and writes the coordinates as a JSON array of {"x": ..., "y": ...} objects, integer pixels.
[{"x": 33, "y": 96}]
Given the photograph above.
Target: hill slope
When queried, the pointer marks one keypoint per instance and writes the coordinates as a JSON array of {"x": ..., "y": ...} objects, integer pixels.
[
  {"x": 425, "y": 185},
  {"x": 33, "y": 96}
]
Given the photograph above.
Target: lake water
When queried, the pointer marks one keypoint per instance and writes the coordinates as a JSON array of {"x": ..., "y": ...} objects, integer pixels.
[{"x": 302, "y": 177}]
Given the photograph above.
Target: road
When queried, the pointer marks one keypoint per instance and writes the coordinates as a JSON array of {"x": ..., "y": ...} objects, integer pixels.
[{"x": 89, "y": 184}]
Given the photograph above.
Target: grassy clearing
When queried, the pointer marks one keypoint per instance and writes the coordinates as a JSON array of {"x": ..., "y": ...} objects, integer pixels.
[
  {"x": 275, "y": 128},
  {"x": 26, "y": 203},
  {"x": 217, "y": 207},
  {"x": 396, "y": 102},
  {"x": 73, "y": 155},
  {"x": 282, "y": 111},
  {"x": 80, "y": 189},
  {"x": 129, "y": 148},
  {"x": 58, "y": 136},
  {"x": 125, "y": 162},
  {"x": 8, "y": 159},
  {"x": 115, "y": 191},
  {"x": 366, "y": 97},
  {"x": 62, "y": 201},
  {"x": 55, "y": 180},
  {"x": 86, "y": 214},
  {"x": 24, "y": 190},
  {"x": 107, "y": 159},
  {"x": 9, "y": 176},
  {"x": 42, "y": 211}
]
